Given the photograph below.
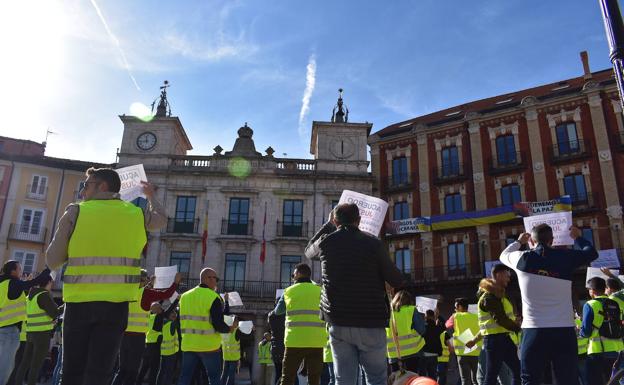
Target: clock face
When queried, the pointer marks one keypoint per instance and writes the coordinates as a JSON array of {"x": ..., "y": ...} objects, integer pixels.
[
  {"x": 342, "y": 148},
  {"x": 146, "y": 141}
]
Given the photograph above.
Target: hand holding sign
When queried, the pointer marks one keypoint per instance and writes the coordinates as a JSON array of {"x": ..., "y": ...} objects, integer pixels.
[
  {"x": 132, "y": 178},
  {"x": 148, "y": 190}
]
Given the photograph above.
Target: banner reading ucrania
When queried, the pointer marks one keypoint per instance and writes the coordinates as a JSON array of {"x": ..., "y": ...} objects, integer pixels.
[
  {"x": 131, "y": 178},
  {"x": 372, "y": 210},
  {"x": 527, "y": 209},
  {"x": 409, "y": 226}
]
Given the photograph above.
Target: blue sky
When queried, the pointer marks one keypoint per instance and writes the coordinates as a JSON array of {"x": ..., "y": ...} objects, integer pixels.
[{"x": 231, "y": 62}]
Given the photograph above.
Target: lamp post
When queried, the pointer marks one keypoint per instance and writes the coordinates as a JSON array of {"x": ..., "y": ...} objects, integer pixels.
[{"x": 615, "y": 35}]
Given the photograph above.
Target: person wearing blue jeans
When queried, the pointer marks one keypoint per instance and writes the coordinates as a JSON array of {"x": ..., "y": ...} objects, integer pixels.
[
  {"x": 229, "y": 372},
  {"x": 557, "y": 345},
  {"x": 212, "y": 362},
  {"x": 354, "y": 346}
]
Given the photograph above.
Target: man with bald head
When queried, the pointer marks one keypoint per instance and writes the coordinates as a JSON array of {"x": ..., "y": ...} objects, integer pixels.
[{"x": 201, "y": 322}]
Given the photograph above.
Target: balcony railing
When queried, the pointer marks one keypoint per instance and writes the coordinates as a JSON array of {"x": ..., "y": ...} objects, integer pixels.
[
  {"x": 438, "y": 274},
  {"x": 399, "y": 182},
  {"x": 508, "y": 162},
  {"x": 296, "y": 230},
  {"x": 26, "y": 232},
  {"x": 177, "y": 226},
  {"x": 38, "y": 193},
  {"x": 449, "y": 173},
  {"x": 574, "y": 149},
  {"x": 236, "y": 228},
  {"x": 584, "y": 202},
  {"x": 295, "y": 165},
  {"x": 220, "y": 162},
  {"x": 246, "y": 289}
]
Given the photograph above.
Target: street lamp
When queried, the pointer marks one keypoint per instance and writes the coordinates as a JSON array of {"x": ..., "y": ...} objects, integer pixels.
[{"x": 615, "y": 35}]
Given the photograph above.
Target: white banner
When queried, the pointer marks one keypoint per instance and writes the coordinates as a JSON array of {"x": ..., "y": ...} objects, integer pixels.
[
  {"x": 425, "y": 303},
  {"x": 234, "y": 298},
  {"x": 595, "y": 272},
  {"x": 559, "y": 222},
  {"x": 165, "y": 276},
  {"x": 279, "y": 293},
  {"x": 472, "y": 308},
  {"x": 607, "y": 258},
  {"x": 131, "y": 178},
  {"x": 245, "y": 326},
  {"x": 372, "y": 210}
]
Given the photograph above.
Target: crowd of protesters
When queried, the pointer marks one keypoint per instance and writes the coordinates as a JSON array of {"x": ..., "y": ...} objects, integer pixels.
[{"x": 359, "y": 325}]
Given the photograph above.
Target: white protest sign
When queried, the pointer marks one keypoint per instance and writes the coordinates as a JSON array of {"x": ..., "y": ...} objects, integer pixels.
[
  {"x": 560, "y": 223},
  {"x": 165, "y": 276},
  {"x": 607, "y": 258},
  {"x": 425, "y": 303},
  {"x": 372, "y": 210},
  {"x": 488, "y": 267},
  {"x": 472, "y": 308},
  {"x": 229, "y": 320},
  {"x": 279, "y": 293},
  {"x": 245, "y": 326},
  {"x": 174, "y": 296},
  {"x": 234, "y": 298},
  {"x": 595, "y": 272},
  {"x": 131, "y": 178}
]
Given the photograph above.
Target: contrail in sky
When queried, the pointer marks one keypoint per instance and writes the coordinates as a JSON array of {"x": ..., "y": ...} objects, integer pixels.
[
  {"x": 116, "y": 43},
  {"x": 307, "y": 93}
]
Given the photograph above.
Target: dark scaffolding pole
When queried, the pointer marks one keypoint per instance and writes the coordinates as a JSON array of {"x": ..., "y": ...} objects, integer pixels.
[{"x": 615, "y": 35}]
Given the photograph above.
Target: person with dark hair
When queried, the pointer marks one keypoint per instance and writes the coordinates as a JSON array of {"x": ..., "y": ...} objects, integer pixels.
[
  {"x": 407, "y": 327},
  {"x": 41, "y": 312},
  {"x": 614, "y": 289},
  {"x": 462, "y": 320},
  {"x": 602, "y": 325},
  {"x": 305, "y": 332},
  {"x": 433, "y": 346},
  {"x": 545, "y": 278},
  {"x": 13, "y": 311},
  {"x": 101, "y": 239},
  {"x": 355, "y": 268}
]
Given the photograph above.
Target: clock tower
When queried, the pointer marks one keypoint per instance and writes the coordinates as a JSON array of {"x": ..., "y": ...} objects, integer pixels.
[
  {"x": 151, "y": 139},
  {"x": 339, "y": 145}
]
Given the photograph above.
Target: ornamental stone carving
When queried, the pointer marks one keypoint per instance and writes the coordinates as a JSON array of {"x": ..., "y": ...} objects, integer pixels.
[
  {"x": 424, "y": 187},
  {"x": 538, "y": 167},
  {"x": 528, "y": 101},
  {"x": 614, "y": 212},
  {"x": 590, "y": 85},
  {"x": 604, "y": 156},
  {"x": 477, "y": 177}
]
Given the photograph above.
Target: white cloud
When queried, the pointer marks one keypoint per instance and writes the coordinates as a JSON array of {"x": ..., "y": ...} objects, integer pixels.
[
  {"x": 199, "y": 49},
  {"x": 307, "y": 94}
]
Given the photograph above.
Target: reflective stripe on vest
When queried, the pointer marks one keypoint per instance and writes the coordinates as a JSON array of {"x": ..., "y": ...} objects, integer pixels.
[
  {"x": 104, "y": 253},
  {"x": 581, "y": 342},
  {"x": 410, "y": 342},
  {"x": 37, "y": 319},
  {"x": 327, "y": 353},
  {"x": 151, "y": 337},
  {"x": 23, "y": 332},
  {"x": 198, "y": 334},
  {"x": 304, "y": 327},
  {"x": 446, "y": 354},
  {"x": 598, "y": 344},
  {"x": 461, "y": 322},
  {"x": 12, "y": 311},
  {"x": 138, "y": 319},
  {"x": 264, "y": 353},
  {"x": 230, "y": 346},
  {"x": 170, "y": 344},
  {"x": 487, "y": 325}
]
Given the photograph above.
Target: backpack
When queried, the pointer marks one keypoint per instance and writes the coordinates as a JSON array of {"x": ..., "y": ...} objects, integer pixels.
[{"x": 612, "y": 324}]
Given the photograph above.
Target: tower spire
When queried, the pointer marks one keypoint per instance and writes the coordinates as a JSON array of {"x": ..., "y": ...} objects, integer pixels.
[
  {"x": 340, "y": 113},
  {"x": 164, "y": 108}
]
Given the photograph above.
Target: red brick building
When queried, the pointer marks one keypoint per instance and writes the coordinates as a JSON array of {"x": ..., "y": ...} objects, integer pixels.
[{"x": 564, "y": 138}]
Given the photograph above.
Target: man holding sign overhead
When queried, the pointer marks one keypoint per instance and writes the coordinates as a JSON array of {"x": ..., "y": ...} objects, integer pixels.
[
  {"x": 545, "y": 279},
  {"x": 101, "y": 239}
]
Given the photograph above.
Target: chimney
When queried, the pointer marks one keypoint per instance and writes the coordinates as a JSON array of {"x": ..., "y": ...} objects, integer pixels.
[{"x": 586, "y": 71}]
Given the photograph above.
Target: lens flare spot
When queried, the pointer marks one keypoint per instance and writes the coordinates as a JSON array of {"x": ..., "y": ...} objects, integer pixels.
[
  {"x": 141, "y": 111},
  {"x": 239, "y": 167}
]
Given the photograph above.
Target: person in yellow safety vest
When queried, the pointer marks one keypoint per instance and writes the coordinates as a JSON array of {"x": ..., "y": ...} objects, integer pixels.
[
  {"x": 230, "y": 345},
  {"x": 602, "y": 349},
  {"x": 306, "y": 333},
  {"x": 496, "y": 320},
  {"x": 133, "y": 342},
  {"x": 151, "y": 354},
  {"x": 444, "y": 358},
  {"x": 41, "y": 313},
  {"x": 101, "y": 239},
  {"x": 201, "y": 322},
  {"x": 328, "y": 377},
  {"x": 265, "y": 360},
  {"x": 614, "y": 289},
  {"x": 13, "y": 312},
  {"x": 582, "y": 343},
  {"x": 462, "y": 321},
  {"x": 409, "y": 326},
  {"x": 169, "y": 347}
]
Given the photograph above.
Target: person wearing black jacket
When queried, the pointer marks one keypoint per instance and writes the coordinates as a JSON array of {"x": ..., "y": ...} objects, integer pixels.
[
  {"x": 433, "y": 346},
  {"x": 12, "y": 287},
  {"x": 355, "y": 268}
]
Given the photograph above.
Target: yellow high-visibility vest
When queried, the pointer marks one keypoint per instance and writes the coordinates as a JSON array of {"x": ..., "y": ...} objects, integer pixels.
[
  {"x": 462, "y": 322},
  {"x": 487, "y": 325},
  {"x": 304, "y": 327},
  {"x": 198, "y": 334},
  {"x": 138, "y": 319},
  {"x": 264, "y": 353},
  {"x": 23, "y": 332},
  {"x": 230, "y": 347},
  {"x": 446, "y": 354},
  {"x": 170, "y": 344},
  {"x": 597, "y": 343},
  {"x": 327, "y": 353},
  {"x": 410, "y": 342},
  {"x": 104, "y": 253},
  {"x": 12, "y": 311},
  {"x": 151, "y": 337},
  {"x": 581, "y": 342},
  {"x": 37, "y": 319}
]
